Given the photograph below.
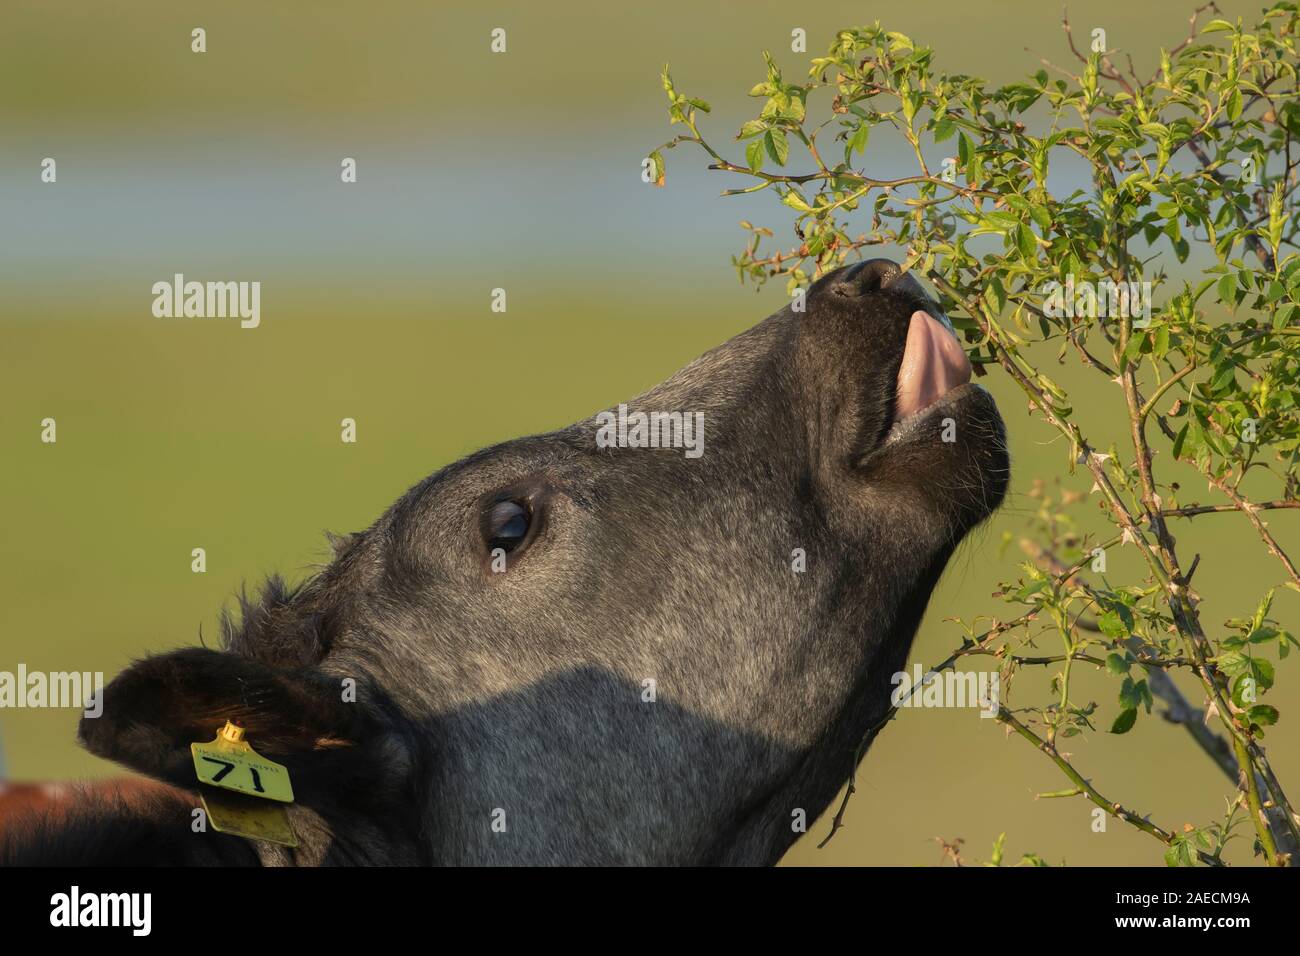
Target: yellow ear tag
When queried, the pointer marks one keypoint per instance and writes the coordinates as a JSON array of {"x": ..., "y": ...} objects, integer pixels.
[
  {"x": 230, "y": 762},
  {"x": 236, "y": 783},
  {"x": 248, "y": 817}
]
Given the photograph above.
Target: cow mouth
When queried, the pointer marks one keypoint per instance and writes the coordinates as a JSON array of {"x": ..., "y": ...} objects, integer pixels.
[{"x": 934, "y": 364}]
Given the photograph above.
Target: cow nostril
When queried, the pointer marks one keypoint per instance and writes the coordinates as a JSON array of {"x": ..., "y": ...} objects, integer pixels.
[
  {"x": 877, "y": 274},
  {"x": 870, "y": 276}
]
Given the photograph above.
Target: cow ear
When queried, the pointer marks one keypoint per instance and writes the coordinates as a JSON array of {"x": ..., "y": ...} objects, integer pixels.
[{"x": 153, "y": 711}]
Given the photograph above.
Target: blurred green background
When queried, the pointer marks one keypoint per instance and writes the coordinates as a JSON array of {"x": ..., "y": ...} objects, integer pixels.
[{"x": 476, "y": 170}]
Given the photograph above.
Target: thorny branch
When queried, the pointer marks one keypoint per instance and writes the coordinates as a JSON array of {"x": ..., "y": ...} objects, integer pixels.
[{"x": 1228, "y": 97}]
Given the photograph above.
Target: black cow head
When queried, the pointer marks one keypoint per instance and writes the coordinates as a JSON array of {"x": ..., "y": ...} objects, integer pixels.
[{"x": 649, "y": 637}]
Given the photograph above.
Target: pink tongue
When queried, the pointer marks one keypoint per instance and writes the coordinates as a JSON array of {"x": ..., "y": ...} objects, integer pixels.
[{"x": 934, "y": 363}]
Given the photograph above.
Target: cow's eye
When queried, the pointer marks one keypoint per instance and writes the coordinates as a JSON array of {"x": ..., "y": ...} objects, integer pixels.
[{"x": 506, "y": 525}]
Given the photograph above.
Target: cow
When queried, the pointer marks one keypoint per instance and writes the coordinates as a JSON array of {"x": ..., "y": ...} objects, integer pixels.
[{"x": 580, "y": 648}]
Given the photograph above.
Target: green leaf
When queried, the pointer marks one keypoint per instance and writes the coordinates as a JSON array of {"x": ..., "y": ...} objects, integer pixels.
[
  {"x": 754, "y": 155},
  {"x": 1125, "y": 721},
  {"x": 1228, "y": 291},
  {"x": 1225, "y": 376},
  {"x": 858, "y": 144},
  {"x": 1112, "y": 624},
  {"x": 1025, "y": 241},
  {"x": 1262, "y": 715},
  {"x": 795, "y": 201},
  {"x": 778, "y": 147},
  {"x": 995, "y": 295},
  {"x": 1232, "y": 663},
  {"x": 964, "y": 149},
  {"x": 1134, "y": 348},
  {"x": 1179, "y": 853},
  {"x": 1135, "y": 694},
  {"x": 1179, "y": 440},
  {"x": 1117, "y": 664},
  {"x": 1234, "y": 105}
]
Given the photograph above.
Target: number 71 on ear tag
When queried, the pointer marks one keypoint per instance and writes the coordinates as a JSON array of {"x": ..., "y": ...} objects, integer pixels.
[{"x": 231, "y": 763}]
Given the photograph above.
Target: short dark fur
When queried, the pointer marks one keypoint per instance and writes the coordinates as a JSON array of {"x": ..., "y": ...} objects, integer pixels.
[{"x": 522, "y": 692}]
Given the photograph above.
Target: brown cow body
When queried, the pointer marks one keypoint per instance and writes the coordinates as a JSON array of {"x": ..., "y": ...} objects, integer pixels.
[{"x": 104, "y": 822}]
